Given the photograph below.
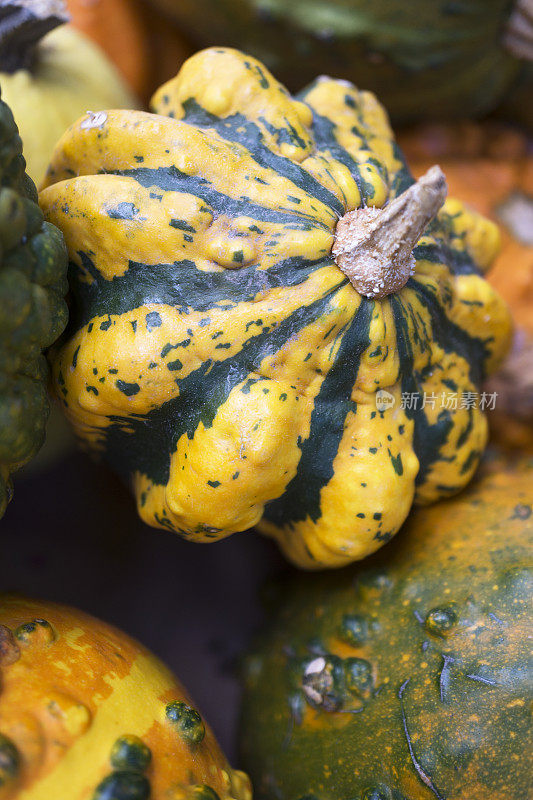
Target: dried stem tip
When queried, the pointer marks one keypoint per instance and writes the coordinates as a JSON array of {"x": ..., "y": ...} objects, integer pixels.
[
  {"x": 374, "y": 246},
  {"x": 518, "y": 36},
  {"x": 23, "y": 23}
]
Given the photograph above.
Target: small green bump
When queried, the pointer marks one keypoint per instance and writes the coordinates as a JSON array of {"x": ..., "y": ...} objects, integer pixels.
[
  {"x": 204, "y": 792},
  {"x": 354, "y": 629},
  {"x": 187, "y": 721},
  {"x": 9, "y": 760},
  {"x": 38, "y": 630},
  {"x": 13, "y": 218},
  {"x": 441, "y": 620},
  {"x": 358, "y": 675},
  {"x": 130, "y": 753},
  {"x": 123, "y": 785}
]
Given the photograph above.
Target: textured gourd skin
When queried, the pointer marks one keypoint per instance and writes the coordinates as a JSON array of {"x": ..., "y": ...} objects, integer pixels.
[
  {"x": 33, "y": 312},
  {"x": 70, "y": 75},
  {"x": 71, "y": 687},
  {"x": 423, "y": 59},
  {"x": 444, "y": 612},
  {"x": 219, "y": 358}
]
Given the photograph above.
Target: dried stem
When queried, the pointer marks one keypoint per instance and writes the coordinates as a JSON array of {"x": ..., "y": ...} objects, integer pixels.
[
  {"x": 23, "y": 23},
  {"x": 518, "y": 37},
  {"x": 374, "y": 246}
]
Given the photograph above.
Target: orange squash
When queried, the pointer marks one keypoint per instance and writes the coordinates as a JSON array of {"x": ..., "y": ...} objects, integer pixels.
[
  {"x": 117, "y": 27},
  {"x": 144, "y": 48},
  {"x": 490, "y": 167},
  {"x": 87, "y": 713}
]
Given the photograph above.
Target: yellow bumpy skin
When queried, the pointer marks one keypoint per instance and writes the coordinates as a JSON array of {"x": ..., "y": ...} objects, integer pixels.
[{"x": 220, "y": 358}]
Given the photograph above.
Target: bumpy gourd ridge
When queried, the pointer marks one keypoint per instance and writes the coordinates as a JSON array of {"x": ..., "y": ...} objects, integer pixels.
[
  {"x": 33, "y": 266},
  {"x": 407, "y": 677},
  {"x": 223, "y": 340},
  {"x": 86, "y": 712}
]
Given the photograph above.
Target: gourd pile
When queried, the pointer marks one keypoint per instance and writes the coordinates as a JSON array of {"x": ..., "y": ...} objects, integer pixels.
[{"x": 278, "y": 322}]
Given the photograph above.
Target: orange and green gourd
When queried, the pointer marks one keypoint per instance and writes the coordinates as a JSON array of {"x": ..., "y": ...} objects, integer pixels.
[
  {"x": 410, "y": 677},
  {"x": 86, "y": 713},
  {"x": 248, "y": 270}
]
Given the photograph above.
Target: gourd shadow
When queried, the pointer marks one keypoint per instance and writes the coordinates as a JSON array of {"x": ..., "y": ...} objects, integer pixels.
[{"x": 72, "y": 535}]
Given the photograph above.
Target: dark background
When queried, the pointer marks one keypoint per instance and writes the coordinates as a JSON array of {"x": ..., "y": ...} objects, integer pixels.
[{"x": 71, "y": 534}]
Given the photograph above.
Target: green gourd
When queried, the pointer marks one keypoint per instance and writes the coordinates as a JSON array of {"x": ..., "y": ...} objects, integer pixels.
[
  {"x": 446, "y": 59},
  {"x": 406, "y": 680},
  {"x": 33, "y": 313}
]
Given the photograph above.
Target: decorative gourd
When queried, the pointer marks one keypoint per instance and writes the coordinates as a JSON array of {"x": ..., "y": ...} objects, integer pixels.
[
  {"x": 51, "y": 75},
  {"x": 86, "y": 713},
  {"x": 138, "y": 39},
  {"x": 33, "y": 283},
  {"x": 408, "y": 679},
  {"x": 423, "y": 59},
  {"x": 490, "y": 168},
  {"x": 223, "y": 354}
]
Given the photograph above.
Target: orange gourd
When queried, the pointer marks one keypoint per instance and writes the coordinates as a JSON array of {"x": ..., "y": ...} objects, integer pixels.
[
  {"x": 144, "y": 48},
  {"x": 87, "y": 713}
]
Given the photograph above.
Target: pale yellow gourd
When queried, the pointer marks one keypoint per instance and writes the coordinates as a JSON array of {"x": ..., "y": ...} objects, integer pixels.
[{"x": 68, "y": 75}]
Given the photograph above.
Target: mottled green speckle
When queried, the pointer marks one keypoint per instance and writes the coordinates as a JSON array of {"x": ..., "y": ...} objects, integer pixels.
[{"x": 128, "y": 389}]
